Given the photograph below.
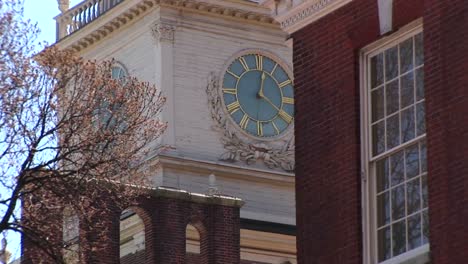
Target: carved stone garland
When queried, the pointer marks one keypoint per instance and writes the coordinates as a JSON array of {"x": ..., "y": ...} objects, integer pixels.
[{"x": 237, "y": 148}]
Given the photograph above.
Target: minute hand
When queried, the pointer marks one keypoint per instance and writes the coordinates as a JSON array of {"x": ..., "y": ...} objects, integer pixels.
[{"x": 270, "y": 102}]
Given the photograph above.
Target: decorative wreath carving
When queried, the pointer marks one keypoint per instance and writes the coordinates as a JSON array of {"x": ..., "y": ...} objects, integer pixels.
[{"x": 238, "y": 149}]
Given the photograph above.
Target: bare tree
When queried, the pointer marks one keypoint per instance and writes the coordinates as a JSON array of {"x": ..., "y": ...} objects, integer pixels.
[{"x": 66, "y": 127}]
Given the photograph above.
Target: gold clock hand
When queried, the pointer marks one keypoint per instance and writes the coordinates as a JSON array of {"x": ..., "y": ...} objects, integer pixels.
[
  {"x": 260, "y": 93},
  {"x": 270, "y": 102}
]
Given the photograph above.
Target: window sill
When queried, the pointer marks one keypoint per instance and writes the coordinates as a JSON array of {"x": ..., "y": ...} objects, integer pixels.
[
  {"x": 420, "y": 255},
  {"x": 423, "y": 258}
]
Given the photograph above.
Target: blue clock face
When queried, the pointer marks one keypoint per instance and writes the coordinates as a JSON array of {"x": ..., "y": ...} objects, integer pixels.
[{"x": 258, "y": 94}]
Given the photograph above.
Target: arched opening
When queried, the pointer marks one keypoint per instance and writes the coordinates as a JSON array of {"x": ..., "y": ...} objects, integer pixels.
[
  {"x": 132, "y": 238},
  {"x": 192, "y": 245},
  {"x": 70, "y": 235}
]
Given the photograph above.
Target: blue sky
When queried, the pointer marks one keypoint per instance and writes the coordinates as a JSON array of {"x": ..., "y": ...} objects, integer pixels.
[{"x": 41, "y": 12}]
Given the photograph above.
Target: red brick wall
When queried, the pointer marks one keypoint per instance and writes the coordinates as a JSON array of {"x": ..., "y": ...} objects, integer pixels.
[
  {"x": 327, "y": 127},
  {"x": 165, "y": 221},
  {"x": 446, "y": 83}
]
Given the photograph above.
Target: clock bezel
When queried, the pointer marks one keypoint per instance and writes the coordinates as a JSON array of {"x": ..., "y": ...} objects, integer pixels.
[{"x": 280, "y": 62}]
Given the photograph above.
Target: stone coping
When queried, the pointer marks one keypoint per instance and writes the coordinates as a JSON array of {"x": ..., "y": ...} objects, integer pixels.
[{"x": 216, "y": 199}]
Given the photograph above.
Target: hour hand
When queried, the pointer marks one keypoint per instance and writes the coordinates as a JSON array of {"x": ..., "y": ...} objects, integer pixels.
[{"x": 260, "y": 92}]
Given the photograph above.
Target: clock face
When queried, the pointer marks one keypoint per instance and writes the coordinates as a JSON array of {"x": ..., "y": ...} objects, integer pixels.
[{"x": 258, "y": 94}]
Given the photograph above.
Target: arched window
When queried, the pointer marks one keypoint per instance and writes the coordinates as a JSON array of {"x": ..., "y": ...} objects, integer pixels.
[
  {"x": 132, "y": 238},
  {"x": 109, "y": 114},
  {"x": 118, "y": 72},
  {"x": 192, "y": 244}
]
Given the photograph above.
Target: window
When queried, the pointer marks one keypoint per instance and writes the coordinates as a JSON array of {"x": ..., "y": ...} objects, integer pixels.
[
  {"x": 109, "y": 114},
  {"x": 118, "y": 72},
  {"x": 396, "y": 205}
]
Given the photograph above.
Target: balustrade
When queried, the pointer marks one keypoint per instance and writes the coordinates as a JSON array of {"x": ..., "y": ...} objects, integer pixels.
[{"x": 82, "y": 14}]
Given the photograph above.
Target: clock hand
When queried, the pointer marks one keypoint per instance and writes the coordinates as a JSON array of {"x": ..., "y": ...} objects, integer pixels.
[
  {"x": 260, "y": 92},
  {"x": 270, "y": 102},
  {"x": 262, "y": 95}
]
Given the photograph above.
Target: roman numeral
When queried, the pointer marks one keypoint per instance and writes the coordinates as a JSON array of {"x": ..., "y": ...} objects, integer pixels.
[
  {"x": 233, "y": 74},
  {"x": 283, "y": 84},
  {"x": 259, "y": 62},
  {"x": 244, "y": 63},
  {"x": 275, "y": 127},
  {"x": 259, "y": 128},
  {"x": 244, "y": 121},
  {"x": 229, "y": 91},
  {"x": 233, "y": 107},
  {"x": 274, "y": 69},
  {"x": 287, "y": 100},
  {"x": 285, "y": 116}
]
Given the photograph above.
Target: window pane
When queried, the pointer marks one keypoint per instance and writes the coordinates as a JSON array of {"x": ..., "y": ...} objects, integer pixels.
[
  {"x": 425, "y": 227},
  {"x": 393, "y": 131},
  {"x": 413, "y": 194},
  {"x": 419, "y": 84},
  {"x": 377, "y": 104},
  {"x": 384, "y": 244},
  {"x": 407, "y": 90},
  {"x": 412, "y": 161},
  {"x": 398, "y": 202},
  {"x": 377, "y": 70},
  {"x": 421, "y": 118},
  {"x": 383, "y": 209},
  {"x": 414, "y": 231},
  {"x": 391, "y": 93},
  {"x": 382, "y": 175},
  {"x": 407, "y": 124},
  {"x": 424, "y": 190},
  {"x": 399, "y": 238},
  {"x": 378, "y": 138},
  {"x": 397, "y": 169},
  {"x": 391, "y": 63},
  {"x": 406, "y": 55},
  {"x": 419, "y": 46},
  {"x": 423, "y": 157}
]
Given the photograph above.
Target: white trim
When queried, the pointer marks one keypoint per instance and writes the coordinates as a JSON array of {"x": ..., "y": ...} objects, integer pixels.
[
  {"x": 385, "y": 16},
  {"x": 368, "y": 222}
]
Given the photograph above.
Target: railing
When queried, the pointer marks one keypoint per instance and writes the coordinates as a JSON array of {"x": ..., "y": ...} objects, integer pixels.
[{"x": 81, "y": 15}]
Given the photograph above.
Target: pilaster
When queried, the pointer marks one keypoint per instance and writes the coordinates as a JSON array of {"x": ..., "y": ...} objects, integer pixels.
[{"x": 164, "y": 36}]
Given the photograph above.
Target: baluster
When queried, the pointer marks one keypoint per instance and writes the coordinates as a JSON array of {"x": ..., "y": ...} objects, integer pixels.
[
  {"x": 73, "y": 23},
  {"x": 94, "y": 9},
  {"x": 80, "y": 17},
  {"x": 88, "y": 13}
]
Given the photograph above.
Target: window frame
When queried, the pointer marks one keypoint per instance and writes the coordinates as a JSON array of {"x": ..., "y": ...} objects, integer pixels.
[{"x": 368, "y": 203}]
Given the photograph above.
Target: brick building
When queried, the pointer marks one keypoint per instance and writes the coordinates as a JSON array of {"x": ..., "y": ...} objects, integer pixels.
[
  {"x": 165, "y": 214},
  {"x": 381, "y": 129}
]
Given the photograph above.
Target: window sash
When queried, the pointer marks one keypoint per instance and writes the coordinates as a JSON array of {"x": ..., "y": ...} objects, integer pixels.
[{"x": 370, "y": 159}]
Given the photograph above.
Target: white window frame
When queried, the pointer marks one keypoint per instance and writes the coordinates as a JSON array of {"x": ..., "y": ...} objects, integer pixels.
[{"x": 367, "y": 189}]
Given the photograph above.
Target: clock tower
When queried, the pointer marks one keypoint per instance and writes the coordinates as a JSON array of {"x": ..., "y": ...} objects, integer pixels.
[{"x": 225, "y": 69}]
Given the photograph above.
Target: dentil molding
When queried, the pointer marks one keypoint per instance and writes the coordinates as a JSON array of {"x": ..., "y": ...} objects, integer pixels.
[{"x": 296, "y": 14}]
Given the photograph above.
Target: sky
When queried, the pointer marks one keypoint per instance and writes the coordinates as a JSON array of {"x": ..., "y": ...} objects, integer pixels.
[{"x": 41, "y": 12}]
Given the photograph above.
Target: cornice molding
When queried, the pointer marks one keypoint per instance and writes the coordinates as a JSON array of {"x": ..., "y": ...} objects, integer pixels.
[
  {"x": 222, "y": 169},
  {"x": 295, "y": 15},
  {"x": 129, "y": 10}
]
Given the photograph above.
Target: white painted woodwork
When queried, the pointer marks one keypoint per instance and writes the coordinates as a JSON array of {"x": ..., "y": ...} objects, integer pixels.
[{"x": 385, "y": 15}]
